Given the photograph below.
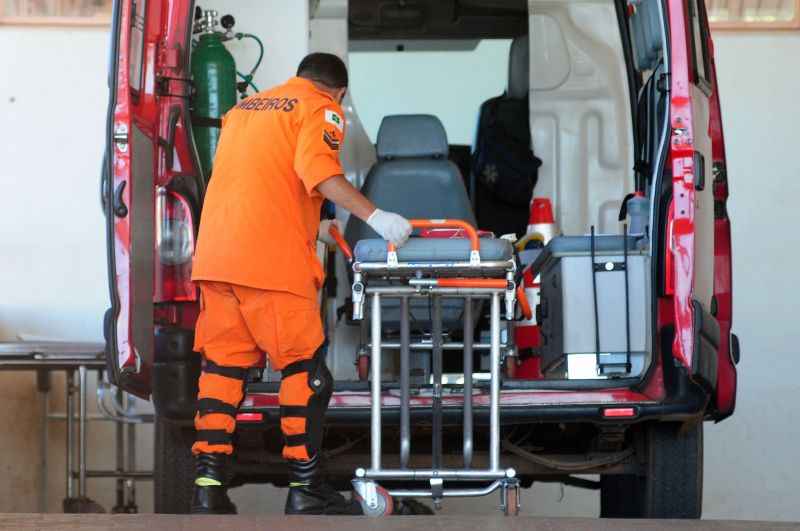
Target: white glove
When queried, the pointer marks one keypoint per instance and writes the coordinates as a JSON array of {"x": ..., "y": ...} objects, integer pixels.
[
  {"x": 324, "y": 231},
  {"x": 390, "y": 226}
]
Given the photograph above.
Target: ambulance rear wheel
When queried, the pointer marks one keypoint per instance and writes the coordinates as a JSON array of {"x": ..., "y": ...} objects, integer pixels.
[
  {"x": 671, "y": 485},
  {"x": 174, "y": 467}
]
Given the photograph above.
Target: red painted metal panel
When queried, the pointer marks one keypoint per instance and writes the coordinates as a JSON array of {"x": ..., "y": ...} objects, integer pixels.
[
  {"x": 148, "y": 110},
  {"x": 681, "y": 158},
  {"x": 726, "y": 369},
  {"x": 121, "y": 157},
  {"x": 683, "y": 214},
  {"x": 723, "y": 262}
]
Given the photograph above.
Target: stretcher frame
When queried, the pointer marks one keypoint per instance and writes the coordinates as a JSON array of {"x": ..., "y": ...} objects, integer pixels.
[{"x": 475, "y": 279}]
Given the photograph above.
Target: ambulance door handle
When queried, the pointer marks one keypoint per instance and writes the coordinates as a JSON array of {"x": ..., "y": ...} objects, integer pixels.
[
  {"x": 699, "y": 171},
  {"x": 120, "y": 209}
]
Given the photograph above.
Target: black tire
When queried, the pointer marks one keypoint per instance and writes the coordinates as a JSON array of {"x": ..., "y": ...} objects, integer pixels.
[
  {"x": 672, "y": 486},
  {"x": 620, "y": 497},
  {"x": 173, "y": 468}
]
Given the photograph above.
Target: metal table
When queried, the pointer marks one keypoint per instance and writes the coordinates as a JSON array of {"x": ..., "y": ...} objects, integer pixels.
[{"x": 43, "y": 357}]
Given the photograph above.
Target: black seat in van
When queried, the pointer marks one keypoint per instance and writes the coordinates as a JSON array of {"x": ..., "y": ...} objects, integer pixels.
[{"x": 513, "y": 116}]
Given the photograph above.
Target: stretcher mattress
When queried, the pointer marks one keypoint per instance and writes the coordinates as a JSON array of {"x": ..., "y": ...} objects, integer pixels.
[{"x": 433, "y": 250}]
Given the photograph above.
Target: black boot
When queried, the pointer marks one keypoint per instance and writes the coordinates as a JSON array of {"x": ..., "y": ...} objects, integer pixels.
[
  {"x": 310, "y": 494},
  {"x": 210, "y": 492}
]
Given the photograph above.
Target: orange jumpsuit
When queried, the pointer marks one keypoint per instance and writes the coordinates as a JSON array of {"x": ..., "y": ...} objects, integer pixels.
[{"x": 256, "y": 262}]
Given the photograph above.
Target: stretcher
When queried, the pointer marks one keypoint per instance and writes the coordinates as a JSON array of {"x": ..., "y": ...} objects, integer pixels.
[{"x": 392, "y": 281}]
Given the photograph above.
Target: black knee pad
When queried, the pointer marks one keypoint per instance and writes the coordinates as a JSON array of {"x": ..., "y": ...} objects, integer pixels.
[{"x": 320, "y": 380}]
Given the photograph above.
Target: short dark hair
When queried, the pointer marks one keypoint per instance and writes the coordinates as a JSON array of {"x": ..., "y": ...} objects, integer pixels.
[{"x": 325, "y": 68}]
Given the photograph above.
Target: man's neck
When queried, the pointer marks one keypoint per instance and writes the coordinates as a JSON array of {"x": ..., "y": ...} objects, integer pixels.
[{"x": 323, "y": 88}]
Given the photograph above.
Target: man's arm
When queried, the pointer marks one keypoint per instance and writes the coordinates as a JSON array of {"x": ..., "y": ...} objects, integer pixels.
[
  {"x": 390, "y": 226},
  {"x": 339, "y": 190},
  {"x": 317, "y": 158}
]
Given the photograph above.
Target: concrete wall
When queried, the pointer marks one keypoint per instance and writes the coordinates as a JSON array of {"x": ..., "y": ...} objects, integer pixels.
[
  {"x": 53, "y": 281},
  {"x": 282, "y": 25},
  {"x": 751, "y": 458},
  {"x": 53, "y": 278}
]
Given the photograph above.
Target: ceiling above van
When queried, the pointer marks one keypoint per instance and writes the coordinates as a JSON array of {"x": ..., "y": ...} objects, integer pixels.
[{"x": 436, "y": 19}]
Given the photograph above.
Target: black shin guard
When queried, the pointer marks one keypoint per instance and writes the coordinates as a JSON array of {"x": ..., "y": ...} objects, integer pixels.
[{"x": 320, "y": 381}]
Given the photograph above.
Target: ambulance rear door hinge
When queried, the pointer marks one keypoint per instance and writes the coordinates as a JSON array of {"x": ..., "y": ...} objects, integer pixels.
[
  {"x": 174, "y": 87},
  {"x": 121, "y": 137}
]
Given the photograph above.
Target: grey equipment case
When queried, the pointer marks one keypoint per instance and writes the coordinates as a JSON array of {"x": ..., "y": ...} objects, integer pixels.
[{"x": 595, "y": 312}]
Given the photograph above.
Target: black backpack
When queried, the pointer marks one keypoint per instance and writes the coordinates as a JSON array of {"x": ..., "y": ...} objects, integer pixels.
[{"x": 504, "y": 167}]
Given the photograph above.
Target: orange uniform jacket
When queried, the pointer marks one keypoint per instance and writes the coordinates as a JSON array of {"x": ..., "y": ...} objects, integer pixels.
[{"x": 262, "y": 211}]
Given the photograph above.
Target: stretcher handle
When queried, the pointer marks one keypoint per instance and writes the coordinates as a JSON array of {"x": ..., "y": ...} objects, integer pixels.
[
  {"x": 340, "y": 242},
  {"x": 524, "y": 305},
  {"x": 472, "y": 234}
]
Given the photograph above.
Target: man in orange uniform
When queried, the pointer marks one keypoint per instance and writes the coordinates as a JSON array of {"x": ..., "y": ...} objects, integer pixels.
[{"x": 256, "y": 264}]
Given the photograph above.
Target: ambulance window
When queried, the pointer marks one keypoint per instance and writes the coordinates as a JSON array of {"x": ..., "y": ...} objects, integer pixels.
[
  {"x": 448, "y": 79},
  {"x": 699, "y": 44},
  {"x": 137, "y": 44}
]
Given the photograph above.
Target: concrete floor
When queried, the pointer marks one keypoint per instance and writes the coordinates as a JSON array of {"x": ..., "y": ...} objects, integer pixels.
[{"x": 441, "y": 523}]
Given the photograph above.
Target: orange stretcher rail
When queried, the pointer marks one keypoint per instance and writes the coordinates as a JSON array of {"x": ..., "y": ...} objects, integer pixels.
[
  {"x": 340, "y": 242},
  {"x": 472, "y": 234}
]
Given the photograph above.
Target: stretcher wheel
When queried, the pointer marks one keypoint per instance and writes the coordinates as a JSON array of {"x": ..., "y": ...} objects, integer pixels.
[
  {"x": 363, "y": 367},
  {"x": 383, "y": 506},
  {"x": 511, "y": 507}
]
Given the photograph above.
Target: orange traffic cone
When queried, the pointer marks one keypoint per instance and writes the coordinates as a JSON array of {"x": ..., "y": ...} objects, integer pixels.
[
  {"x": 541, "y": 229},
  {"x": 541, "y": 224}
]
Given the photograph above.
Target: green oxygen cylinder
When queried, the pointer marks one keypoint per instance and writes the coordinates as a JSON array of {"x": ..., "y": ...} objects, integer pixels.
[{"x": 214, "y": 77}]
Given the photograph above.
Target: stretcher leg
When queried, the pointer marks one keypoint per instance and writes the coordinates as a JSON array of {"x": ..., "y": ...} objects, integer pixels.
[
  {"x": 436, "y": 443},
  {"x": 405, "y": 373},
  {"x": 468, "y": 369},
  {"x": 494, "y": 400},
  {"x": 375, "y": 417}
]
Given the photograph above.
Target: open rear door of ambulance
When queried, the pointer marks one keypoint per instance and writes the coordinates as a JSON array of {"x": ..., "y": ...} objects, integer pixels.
[
  {"x": 700, "y": 243},
  {"x": 151, "y": 190},
  {"x": 728, "y": 351}
]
